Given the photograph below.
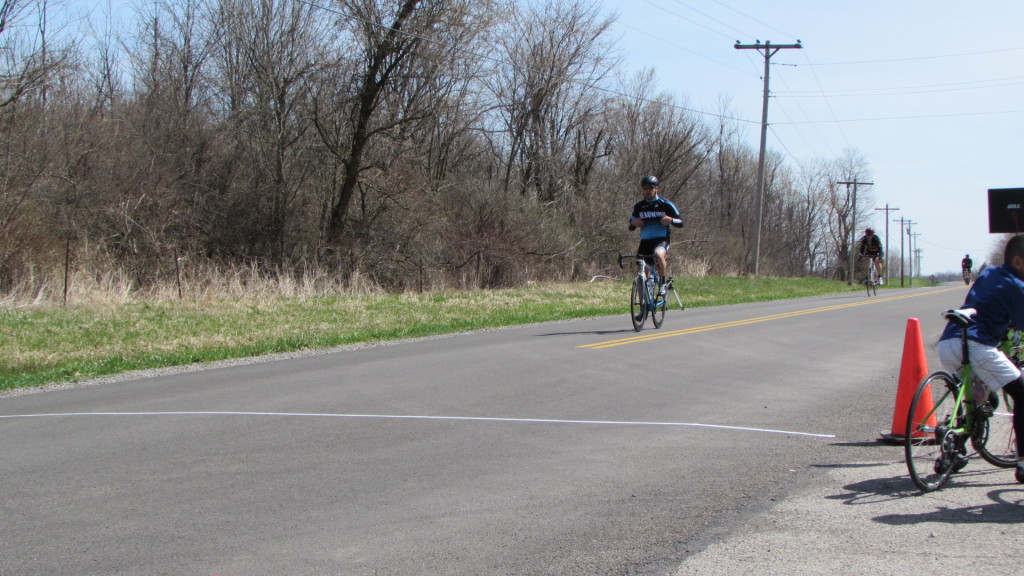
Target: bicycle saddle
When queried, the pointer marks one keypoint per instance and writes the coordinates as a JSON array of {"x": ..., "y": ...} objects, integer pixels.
[{"x": 960, "y": 317}]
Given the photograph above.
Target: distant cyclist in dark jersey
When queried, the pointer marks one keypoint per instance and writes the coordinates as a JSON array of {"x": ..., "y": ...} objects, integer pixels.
[
  {"x": 965, "y": 266},
  {"x": 655, "y": 217},
  {"x": 870, "y": 245}
]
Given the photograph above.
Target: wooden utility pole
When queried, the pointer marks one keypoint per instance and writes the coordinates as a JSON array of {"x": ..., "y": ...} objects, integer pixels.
[
  {"x": 903, "y": 222},
  {"x": 766, "y": 50},
  {"x": 910, "y": 248},
  {"x": 887, "y": 210},
  {"x": 853, "y": 222}
]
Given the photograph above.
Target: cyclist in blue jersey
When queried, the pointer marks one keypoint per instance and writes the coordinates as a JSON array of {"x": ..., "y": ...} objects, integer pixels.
[
  {"x": 655, "y": 217},
  {"x": 998, "y": 297}
]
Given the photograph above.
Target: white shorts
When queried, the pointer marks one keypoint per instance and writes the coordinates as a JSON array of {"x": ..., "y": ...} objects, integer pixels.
[{"x": 990, "y": 365}]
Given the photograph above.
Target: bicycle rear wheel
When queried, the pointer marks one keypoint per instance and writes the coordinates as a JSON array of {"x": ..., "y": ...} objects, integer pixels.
[
  {"x": 933, "y": 451},
  {"x": 995, "y": 440},
  {"x": 637, "y": 305}
]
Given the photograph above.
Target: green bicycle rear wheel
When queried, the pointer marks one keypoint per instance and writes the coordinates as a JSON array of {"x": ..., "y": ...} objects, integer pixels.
[
  {"x": 933, "y": 450},
  {"x": 995, "y": 440}
]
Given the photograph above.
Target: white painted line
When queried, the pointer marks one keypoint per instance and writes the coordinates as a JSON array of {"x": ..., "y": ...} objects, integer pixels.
[{"x": 412, "y": 417}]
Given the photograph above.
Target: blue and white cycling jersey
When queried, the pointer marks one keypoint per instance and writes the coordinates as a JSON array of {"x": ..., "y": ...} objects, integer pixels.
[{"x": 651, "y": 212}]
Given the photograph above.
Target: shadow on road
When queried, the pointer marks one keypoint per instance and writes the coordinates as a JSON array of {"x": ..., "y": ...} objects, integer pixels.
[
  {"x": 970, "y": 497},
  {"x": 589, "y": 332}
]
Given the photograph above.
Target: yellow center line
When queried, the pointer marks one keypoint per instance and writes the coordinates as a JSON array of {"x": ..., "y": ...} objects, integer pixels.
[{"x": 669, "y": 334}]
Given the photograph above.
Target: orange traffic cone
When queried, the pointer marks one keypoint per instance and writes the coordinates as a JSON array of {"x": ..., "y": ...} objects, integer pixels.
[{"x": 913, "y": 370}]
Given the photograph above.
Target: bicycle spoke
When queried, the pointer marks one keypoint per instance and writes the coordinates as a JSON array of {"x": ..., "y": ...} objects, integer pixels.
[
  {"x": 995, "y": 440},
  {"x": 933, "y": 445}
]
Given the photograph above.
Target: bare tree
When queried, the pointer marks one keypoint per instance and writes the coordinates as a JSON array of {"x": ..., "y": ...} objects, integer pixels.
[
  {"x": 285, "y": 45},
  {"x": 811, "y": 247},
  {"x": 418, "y": 143},
  {"x": 844, "y": 209},
  {"x": 555, "y": 58},
  {"x": 395, "y": 48},
  {"x": 31, "y": 57},
  {"x": 28, "y": 57}
]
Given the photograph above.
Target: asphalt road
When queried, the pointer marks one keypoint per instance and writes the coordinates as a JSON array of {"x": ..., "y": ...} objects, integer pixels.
[{"x": 572, "y": 448}]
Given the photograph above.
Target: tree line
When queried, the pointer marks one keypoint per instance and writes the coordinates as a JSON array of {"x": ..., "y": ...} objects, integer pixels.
[{"x": 415, "y": 144}]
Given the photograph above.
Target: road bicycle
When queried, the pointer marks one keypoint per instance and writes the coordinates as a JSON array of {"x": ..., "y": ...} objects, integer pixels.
[
  {"x": 871, "y": 279},
  {"x": 646, "y": 294},
  {"x": 967, "y": 276},
  {"x": 943, "y": 420}
]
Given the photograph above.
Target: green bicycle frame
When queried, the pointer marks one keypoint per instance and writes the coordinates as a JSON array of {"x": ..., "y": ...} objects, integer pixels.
[
  {"x": 966, "y": 377},
  {"x": 1011, "y": 347}
]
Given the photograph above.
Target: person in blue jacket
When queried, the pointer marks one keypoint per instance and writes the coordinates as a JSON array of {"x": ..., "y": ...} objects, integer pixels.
[
  {"x": 655, "y": 217},
  {"x": 998, "y": 298}
]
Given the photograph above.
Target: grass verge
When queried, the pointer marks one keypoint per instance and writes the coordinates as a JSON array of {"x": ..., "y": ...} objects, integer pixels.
[{"x": 47, "y": 345}]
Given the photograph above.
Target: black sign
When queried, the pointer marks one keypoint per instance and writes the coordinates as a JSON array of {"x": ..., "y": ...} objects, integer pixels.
[{"x": 1005, "y": 210}]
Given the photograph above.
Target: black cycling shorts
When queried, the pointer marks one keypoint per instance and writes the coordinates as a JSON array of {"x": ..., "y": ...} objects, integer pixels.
[{"x": 648, "y": 246}]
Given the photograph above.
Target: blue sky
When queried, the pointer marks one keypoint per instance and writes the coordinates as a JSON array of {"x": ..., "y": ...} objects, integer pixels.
[{"x": 930, "y": 94}]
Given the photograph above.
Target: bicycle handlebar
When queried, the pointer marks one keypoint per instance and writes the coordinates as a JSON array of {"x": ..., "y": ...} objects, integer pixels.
[{"x": 632, "y": 257}]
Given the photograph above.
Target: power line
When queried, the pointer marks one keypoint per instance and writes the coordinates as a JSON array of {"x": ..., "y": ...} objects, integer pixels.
[
  {"x": 917, "y": 58},
  {"x": 918, "y": 117},
  {"x": 831, "y": 111},
  {"x": 648, "y": 34},
  {"x": 681, "y": 17},
  {"x": 901, "y": 90},
  {"x": 789, "y": 152},
  {"x": 781, "y": 104},
  {"x": 752, "y": 19},
  {"x": 801, "y": 134},
  {"x": 715, "y": 20}
]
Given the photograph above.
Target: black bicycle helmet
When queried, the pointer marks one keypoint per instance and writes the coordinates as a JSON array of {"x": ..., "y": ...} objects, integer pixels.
[
  {"x": 869, "y": 231},
  {"x": 649, "y": 182}
]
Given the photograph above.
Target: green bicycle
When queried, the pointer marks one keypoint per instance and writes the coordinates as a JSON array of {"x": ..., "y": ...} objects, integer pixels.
[{"x": 942, "y": 420}]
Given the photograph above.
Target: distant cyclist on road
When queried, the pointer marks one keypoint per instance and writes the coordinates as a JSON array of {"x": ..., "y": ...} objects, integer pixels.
[
  {"x": 966, "y": 265},
  {"x": 655, "y": 217},
  {"x": 870, "y": 245}
]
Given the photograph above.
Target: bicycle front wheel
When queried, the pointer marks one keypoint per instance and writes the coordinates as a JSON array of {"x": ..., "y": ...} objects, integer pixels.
[
  {"x": 658, "y": 306},
  {"x": 933, "y": 450},
  {"x": 995, "y": 440},
  {"x": 637, "y": 306},
  {"x": 872, "y": 280}
]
